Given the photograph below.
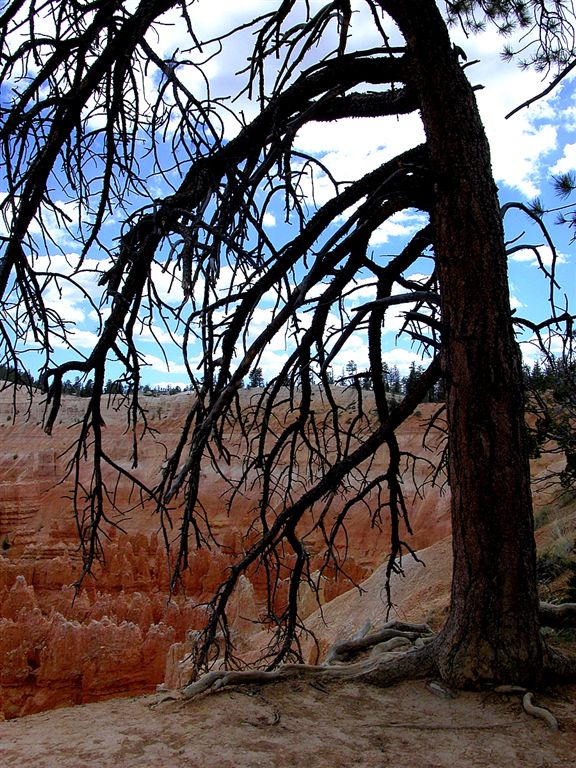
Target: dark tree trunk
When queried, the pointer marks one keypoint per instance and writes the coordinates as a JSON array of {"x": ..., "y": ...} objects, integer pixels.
[{"x": 492, "y": 632}]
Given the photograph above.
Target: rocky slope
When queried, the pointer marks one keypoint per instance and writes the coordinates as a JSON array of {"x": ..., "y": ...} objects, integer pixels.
[
  {"x": 116, "y": 635},
  {"x": 120, "y": 634}
]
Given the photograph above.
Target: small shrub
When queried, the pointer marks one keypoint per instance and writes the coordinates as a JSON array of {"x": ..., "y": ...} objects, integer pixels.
[
  {"x": 549, "y": 566},
  {"x": 541, "y": 517},
  {"x": 571, "y": 584}
]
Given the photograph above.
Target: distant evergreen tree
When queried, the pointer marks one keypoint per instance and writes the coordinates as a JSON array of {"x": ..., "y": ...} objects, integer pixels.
[
  {"x": 350, "y": 370},
  {"x": 113, "y": 388},
  {"x": 87, "y": 388},
  {"x": 395, "y": 381},
  {"x": 414, "y": 374},
  {"x": 256, "y": 378},
  {"x": 9, "y": 373},
  {"x": 552, "y": 390},
  {"x": 439, "y": 392},
  {"x": 386, "y": 376},
  {"x": 366, "y": 381}
]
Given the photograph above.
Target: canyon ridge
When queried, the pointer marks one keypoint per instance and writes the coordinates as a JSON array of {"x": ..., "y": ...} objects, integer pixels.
[{"x": 120, "y": 633}]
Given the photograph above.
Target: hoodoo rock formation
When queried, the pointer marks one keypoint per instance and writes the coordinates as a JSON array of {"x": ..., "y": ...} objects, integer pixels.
[{"x": 120, "y": 633}]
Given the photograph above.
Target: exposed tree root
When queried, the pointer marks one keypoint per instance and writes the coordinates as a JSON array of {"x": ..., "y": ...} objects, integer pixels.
[
  {"x": 529, "y": 707},
  {"x": 412, "y": 665},
  {"x": 378, "y": 667},
  {"x": 342, "y": 650},
  {"x": 541, "y": 712},
  {"x": 558, "y": 616},
  {"x": 559, "y": 666},
  {"x": 373, "y": 657}
]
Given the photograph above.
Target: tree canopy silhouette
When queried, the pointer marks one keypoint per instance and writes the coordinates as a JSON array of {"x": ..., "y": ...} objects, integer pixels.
[{"x": 95, "y": 122}]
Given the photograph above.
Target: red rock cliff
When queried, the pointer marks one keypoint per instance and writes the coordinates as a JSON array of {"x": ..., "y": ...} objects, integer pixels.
[{"x": 113, "y": 637}]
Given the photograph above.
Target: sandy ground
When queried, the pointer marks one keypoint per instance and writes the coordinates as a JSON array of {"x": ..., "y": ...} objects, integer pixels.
[{"x": 297, "y": 724}]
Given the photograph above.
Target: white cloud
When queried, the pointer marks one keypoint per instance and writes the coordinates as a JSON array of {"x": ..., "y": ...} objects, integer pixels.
[
  {"x": 52, "y": 222},
  {"x": 167, "y": 283},
  {"x": 569, "y": 118},
  {"x": 568, "y": 160},
  {"x": 515, "y": 302},
  {"x": 532, "y": 350},
  {"x": 156, "y": 335},
  {"x": 159, "y": 365},
  {"x": 352, "y": 147},
  {"x": 528, "y": 256},
  {"x": 403, "y": 358},
  {"x": 66, "y": 287},
  {"x": 401, "y": 224},
  {"x": 78, "y": 339},
  {"x": 521, "y": 144}
]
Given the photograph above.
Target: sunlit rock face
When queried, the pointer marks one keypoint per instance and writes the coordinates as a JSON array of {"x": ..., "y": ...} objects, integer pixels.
[{"x": 121, "y": 633}]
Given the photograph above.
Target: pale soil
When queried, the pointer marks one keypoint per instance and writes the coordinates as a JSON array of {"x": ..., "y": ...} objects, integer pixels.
[{"x": 292, "y": 724}]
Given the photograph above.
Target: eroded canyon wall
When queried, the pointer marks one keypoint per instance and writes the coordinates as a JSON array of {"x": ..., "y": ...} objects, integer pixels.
[{"x": 121, "y": 633}]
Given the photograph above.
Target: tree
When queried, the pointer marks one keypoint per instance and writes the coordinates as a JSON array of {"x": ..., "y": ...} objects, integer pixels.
[
  {"x": 113, "y": 388},
  {"x": 256, "y": 378},
  {"x": 552, "y": 402},
  {"x": 351, "y": 369},
  {"x": 414, "y": 374},
  {"x": 82, "y": 107},
  {"x": 394, "y": 379}
]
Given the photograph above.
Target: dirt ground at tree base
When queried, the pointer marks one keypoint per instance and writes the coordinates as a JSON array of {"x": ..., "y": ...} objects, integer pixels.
[{"x": 292, "y": 724}]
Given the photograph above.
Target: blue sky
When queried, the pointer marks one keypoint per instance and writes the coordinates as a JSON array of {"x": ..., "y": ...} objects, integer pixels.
[{"x": 527, "y": 150}]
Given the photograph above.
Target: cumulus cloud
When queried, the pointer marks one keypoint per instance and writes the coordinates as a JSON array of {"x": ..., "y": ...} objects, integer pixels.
[
  {"x": 160, "y": 365},
  {"x": 54, "y": 223},
  {"x": 77, "y": 339},
  {"x": 520, "y": 146},
  {"x": 154, "y": 334},
  {"x": 529, "y": 256},
  {"x": 67, "y": 288},
  {"x": 568, "y": 160},
  {"x": 531, "y": 347},
  {"x": 402, "y": 224}
]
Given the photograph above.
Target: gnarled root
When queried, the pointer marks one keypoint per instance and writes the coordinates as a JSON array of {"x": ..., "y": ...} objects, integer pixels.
[
  {"x": 412, "y": 665},
  {"x": 384, "y": 666},
  {"x": 342, "y": 650},
  {"x": 557, "y": 616},
  {"x": 559, "y": 666},
  {"x": 377, "y": 668}
]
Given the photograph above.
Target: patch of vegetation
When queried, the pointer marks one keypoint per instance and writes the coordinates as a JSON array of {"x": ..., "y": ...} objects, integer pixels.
[
  {"x": 549, "y": 566},
  {"x": 552, "y": 387},
  {"x": 565, "y": 636},
  {"x": 541, "y": 517},
  {"x": 571, "y": 584}
]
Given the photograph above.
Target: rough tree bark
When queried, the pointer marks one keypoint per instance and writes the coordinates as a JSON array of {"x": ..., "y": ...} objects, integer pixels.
[{"x": 492, "y": 631}]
